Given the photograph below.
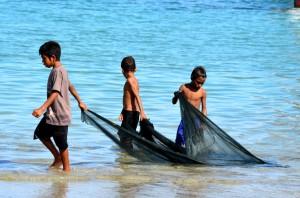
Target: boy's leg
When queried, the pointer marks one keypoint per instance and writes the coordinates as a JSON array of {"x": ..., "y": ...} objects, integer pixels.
[
  {"x": 65, "y": 160},
  {"x": 50, "y": 146},
  {"x": 61, "y": 140},
  {"x": 130, "y": 122},
  {"x": 124, "y": 138},
  {"x": 43, "y": 132}
]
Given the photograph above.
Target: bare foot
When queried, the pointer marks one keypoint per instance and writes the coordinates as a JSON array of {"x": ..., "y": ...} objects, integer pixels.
[
  {"x": 67, "y": 170},
  {"x": 56, "y": 163}
]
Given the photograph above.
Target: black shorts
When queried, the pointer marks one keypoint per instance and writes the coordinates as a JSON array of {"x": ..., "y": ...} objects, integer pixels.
[
  {"x": 45, "y": 131},
  {"x": 130, "y": 122}
]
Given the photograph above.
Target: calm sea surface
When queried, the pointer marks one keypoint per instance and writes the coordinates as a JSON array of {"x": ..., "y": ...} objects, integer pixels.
[{"x": 251, "y": 50}]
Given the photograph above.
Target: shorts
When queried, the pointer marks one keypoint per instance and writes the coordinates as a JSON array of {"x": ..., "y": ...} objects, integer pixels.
[
  {"x": 180, "y": 136},
  {"x": 130, "y": 122},
  {"x": 45, "y": 131},
  {"x": 180, "y": 139}
]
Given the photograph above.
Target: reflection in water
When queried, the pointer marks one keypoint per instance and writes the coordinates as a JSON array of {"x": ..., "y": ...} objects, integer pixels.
[
  {"x": 57, "y": 189},
  {"x": 140, "y": 178},
  {"x": 132, "y": 180}
]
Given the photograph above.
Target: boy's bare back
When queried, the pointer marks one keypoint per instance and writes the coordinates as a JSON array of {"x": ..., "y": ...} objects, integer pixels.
[{"x": 130, "y": 102}]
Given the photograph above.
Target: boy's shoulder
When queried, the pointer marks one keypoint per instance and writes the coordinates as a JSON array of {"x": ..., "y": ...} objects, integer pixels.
[
  {"x": 59, "y": 72},
  {"x": 132, "y": 79},
  {"x": 184, "y": 86},
  {"x": 59, "y": 69},
  {"x": 181, "y": 86}
]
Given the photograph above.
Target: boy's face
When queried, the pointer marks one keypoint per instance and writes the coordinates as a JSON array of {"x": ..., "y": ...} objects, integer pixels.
[
  {"x": 48, "y": 61},
  {"x": 198, "y": 82}
]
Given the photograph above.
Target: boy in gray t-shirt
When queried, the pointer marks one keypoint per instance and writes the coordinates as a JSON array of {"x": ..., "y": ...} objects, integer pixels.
[{"x": 57, "y": 106}]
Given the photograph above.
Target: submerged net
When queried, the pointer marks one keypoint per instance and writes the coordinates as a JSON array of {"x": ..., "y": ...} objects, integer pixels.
[
  {"x": 144, "y": 145},
  {"x": 206, "y": 143}
]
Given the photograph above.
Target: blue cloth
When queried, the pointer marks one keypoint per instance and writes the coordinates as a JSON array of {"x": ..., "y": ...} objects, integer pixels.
[{"x": 180, "y": 140}]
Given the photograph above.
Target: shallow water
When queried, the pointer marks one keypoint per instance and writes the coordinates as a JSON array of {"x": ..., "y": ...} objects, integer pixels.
[{"x": 249, "y": 48}]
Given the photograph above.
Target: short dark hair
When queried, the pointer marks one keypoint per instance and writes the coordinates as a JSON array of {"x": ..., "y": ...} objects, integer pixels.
[
  {"x": 50, "y": 48},
  {"x": 128, "y": 64},
  {"x": 198, "y": 71}
]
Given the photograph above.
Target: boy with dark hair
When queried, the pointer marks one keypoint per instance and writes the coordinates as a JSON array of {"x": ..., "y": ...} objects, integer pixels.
[
  {"x": 132, "y": 103},
  {"x": 194, "y": 94},
  {"x": 57, "y": 106}
]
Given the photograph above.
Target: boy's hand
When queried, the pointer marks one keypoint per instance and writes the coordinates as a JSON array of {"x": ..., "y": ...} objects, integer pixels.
[
  {"x": 143, "y": 116},
  {"x": 121, "y": 117},
  {"x": 37, "y": 112},
  {"x": 175, "y": 98},
  {"x": 82, "y": 106}
]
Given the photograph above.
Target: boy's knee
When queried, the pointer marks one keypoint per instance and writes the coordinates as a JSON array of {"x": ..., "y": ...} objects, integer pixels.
[
  {"x": 62, "y": 145},
  {"x": 61, "y": 142}
]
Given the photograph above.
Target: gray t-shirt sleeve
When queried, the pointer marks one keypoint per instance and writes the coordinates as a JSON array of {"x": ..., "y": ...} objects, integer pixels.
[{"x": 57, "y": 81}]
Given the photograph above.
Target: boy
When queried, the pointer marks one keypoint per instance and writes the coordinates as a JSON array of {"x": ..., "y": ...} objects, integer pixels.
[
  {"x": 194, "y": 94},
  {"x": 132, "y": 104},
  {"x": 57, "y": 106}
]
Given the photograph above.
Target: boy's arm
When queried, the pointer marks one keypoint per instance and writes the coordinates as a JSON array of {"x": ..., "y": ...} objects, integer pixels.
[
  {"x": 203, "y": 102},
  {"x": 39, "y": 111},
  {"x": 135, "y": 89},
  {"x": 176, "y": 95},
  {"x": 76, "y": 96}
]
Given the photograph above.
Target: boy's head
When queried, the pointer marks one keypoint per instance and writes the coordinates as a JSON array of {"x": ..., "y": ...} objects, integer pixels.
[
  {"x": 50, "y": 51},
  {"x": 198, "y": 71},
  {"x": 198, "y": 76},
  {"x": 128, "y": 64}
]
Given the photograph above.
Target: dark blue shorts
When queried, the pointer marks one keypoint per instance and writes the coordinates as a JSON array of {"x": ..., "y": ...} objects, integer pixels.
[
  {"x": 180, "y": 140},
  {"x": 45, "y": 131},
  {"x": 180, "y": 136}
]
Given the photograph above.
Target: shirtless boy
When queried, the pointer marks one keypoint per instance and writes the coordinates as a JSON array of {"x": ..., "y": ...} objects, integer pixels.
[
  {"x": 195, "y": 94},
  {"x": 132, "y": 103}
]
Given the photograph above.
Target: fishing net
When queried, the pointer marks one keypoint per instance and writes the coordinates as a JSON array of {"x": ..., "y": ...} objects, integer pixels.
[
  {"x": 206, "y": 143},
  {"x": 143, "y": 145}
]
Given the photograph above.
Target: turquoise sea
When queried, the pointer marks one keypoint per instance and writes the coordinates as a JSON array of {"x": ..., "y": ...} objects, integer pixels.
[{"x": 251, "y": 50}]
